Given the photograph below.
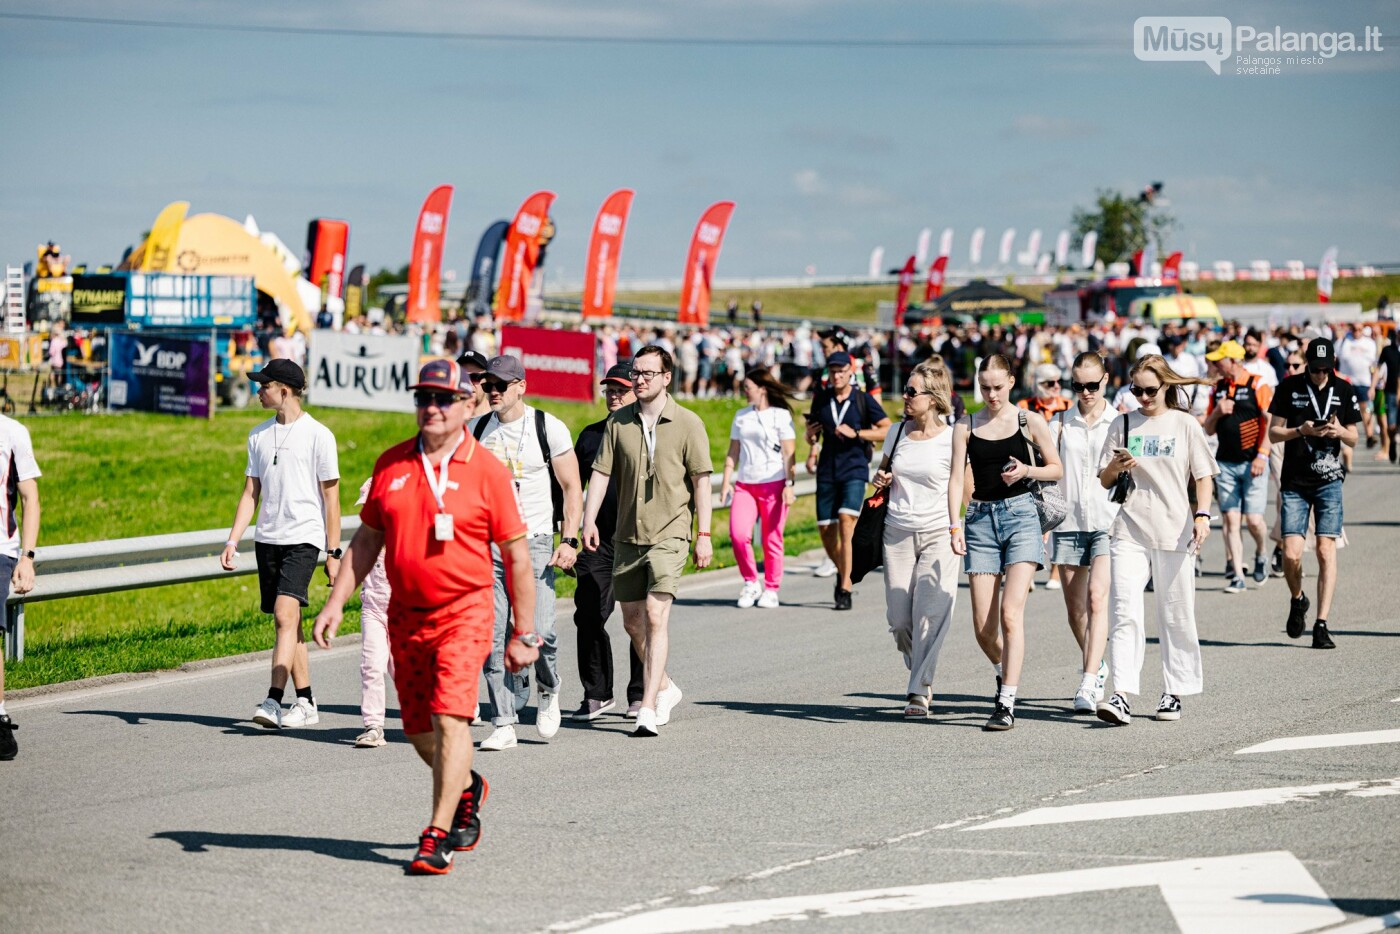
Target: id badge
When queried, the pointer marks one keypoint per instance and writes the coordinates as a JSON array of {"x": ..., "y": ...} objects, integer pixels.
[{"x": 442, "y": 527}]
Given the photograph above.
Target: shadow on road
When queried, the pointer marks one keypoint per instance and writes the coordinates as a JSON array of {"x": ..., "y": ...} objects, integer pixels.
[
  {"x": 344, "y": 736},
  {"x": 199, "y": 841},
  {"x": 944, "y": 707}
]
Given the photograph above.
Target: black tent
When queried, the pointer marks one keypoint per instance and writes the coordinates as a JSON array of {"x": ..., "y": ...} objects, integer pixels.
[{"x": 980, "y": 299}]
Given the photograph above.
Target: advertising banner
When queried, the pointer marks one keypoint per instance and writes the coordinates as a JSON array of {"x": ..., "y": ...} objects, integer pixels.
[
  {"x": 355, "y": 293},
  {"x": 906, "y": 281},
  {"x": 558, "y": 364},
  {"x": 604, "y": 251},
  {"x": 700, "y": 263},
  {"x": 936, "y": 274},
  {"x": 482, "y": 287},
  {"x": 363, "y": 371},
  {"x": 974, "y": 246},
  {"x": 11, "y": 353},
  {"x": 174, "y": 375},
  {"x": 425, "y": 266},
  {"x": 522, "y": 253},
  {"x": 98, "y": 300},
  {"x": 326, "y": 245},
  {"x": 165, "y": 233}
]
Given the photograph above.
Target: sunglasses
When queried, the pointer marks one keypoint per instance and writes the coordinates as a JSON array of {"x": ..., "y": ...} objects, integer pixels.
[
  {"x": 911, "y": 393},
  {"x": 1297, "y": 366},
  {"x": 441, "y": 400},
  {"x": 1087, "y": 387},
  {"x": 495, "y": 385},
  {"x": 1319, "y": 369},
  {"x": 1148, "y": 391},
  {"x": 1047, "y": 383}
]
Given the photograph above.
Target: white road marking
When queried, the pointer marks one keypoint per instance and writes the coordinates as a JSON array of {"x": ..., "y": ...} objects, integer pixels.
[
  {"x": 1217, "y": 895},
  {"x": 1190, "y": 804},
  {"x": 1324, "y": 741}
]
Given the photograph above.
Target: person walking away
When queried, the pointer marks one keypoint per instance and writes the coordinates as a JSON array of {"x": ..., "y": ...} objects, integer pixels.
[
  {"x": 1081, "y": 543},
  {"x": 1156, "y": 537},
  {"x": 921, "y": 572},
  {"x": 537, "y": 449},
  {"x": 294, "y": 471},
  {"x": 1357, "y": 355},
  {"x": 1313, "y": 415},
  {"x": 1001, "y": 539},
  {"x": 842, "y": 427},
  {"x": 593, "y": 599},
  {"x": 436, "y": 505},
  {"x": 659, "y": 456},
  {"x": 1386, "y": 384},
  {"x": 19, "y": 475},
  {"x": 1238, "y": 417},
  {"x": 762, "y": 446}
]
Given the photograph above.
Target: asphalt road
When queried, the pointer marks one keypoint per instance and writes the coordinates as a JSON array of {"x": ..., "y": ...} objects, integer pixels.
[{"x": 786, "y": 781}]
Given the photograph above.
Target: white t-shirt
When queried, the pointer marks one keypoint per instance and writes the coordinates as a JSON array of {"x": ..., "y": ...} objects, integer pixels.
[
  {"x": 761, "y": 436},
  {"x": 517, "y": 445},
  {"x": 1356, "y": 357},
  {"x": 1263, "y": 369},
  {"x": 1170, "y": 450},
  {"x": 919, "y": 493},
  {"x": 292, "y": 461},
  {"x": 17, "y": 464}
]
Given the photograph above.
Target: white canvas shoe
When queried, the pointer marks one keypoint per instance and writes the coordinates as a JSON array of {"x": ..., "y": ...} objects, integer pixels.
[
  {"x": 548, "y": 717},
  {"x": 502, "y": 738}
]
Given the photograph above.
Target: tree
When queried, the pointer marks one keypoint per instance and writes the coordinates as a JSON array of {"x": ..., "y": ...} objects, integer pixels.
[
  {"x": 1125, "y": 225},
  {"x": 384, "y": 277}
]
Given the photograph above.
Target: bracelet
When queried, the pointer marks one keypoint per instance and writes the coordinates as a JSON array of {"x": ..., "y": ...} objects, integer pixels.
[
  {"x": 231, "y": 541},
  {"x": 702, "y": 534},
  {"x": 1204, "y": 515},
  {"x": 954, "y": 528}
]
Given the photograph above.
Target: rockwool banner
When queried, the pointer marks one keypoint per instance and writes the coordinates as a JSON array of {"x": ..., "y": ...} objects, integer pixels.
[
  {"x": 363, "y": 371},
  {"x": 700, "y": 263},
  {"x": 558, "y": 364},
  {"x": 173, "y": 375},
  {"x": 425, "y": 266}
]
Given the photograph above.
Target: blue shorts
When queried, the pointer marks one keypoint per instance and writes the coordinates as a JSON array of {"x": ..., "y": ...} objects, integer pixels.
[
  {"x": 1363, "y": 393},
  {"x": 1001, "y": 533},
  {"x": 839, "y": 498},
  {"x": 1325, "y": 504},
  {"x": 1079, "y": 549},
  {"x": 1390, "y": 409},
  {"x": 1240, "y": 491}
]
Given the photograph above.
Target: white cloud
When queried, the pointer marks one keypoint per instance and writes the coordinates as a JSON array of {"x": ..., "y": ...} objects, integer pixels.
[{"x": 808, "y": 182}]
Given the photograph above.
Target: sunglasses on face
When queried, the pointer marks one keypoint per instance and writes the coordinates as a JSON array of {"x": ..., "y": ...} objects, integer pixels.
[
  {"x": 911, "y": 393},
  {"x": 1148, "y": 391},
  {"x": 1095, "y": 386},
  {"x": 441, "y": 400},
  {"x": 495, "y": 385},
  {"x": 1047, "y": 383},
  {"x": 1297, "y": 366},
  {"x": 1319, "y": 369}
]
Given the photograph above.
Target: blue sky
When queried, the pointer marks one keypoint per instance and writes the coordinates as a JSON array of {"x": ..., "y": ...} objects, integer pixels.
[{"x": 828, "y": 151}]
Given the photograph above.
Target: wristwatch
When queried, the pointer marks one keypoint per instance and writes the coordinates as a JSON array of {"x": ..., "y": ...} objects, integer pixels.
[
  {"x": 29, "y": 553},
  {"x": 337, "y": 553},
  {"x": 531, "y": 640},
  {"x": 571, "y": 542}
]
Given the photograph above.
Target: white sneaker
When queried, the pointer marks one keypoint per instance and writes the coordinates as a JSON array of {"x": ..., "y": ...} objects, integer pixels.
[
  {"x": 646, "y": 723},
  {"x": 268, "y": 714},
  {"x": 503, "y": 737},
  {"x": 750, "y": 594},
  {"x": 826, "y": 569},
  {"x": 476, "y": 715},
  {"x": 666, "y": 702},
  {"x": 769, "y": 600},
  {"x": 301, "y": 713},
  {"x": 1052, "y": 584},
  {"x": 1084, "y": 701},
  {"x": 372, "y": 736},
  {"x": 547, "y": 718}
]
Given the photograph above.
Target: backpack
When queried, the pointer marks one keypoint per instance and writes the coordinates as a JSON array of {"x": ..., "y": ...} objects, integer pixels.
[{"x": 556, "y": 492}]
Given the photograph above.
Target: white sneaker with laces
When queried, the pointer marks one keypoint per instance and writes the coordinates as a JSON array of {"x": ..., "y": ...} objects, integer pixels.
[
  {"x": 826, "y": 569},
  {"x": 548, "y": 717},
  {"x": 769, "y": 600},
  {"x": 666, "y": 702},
  {"x": 372, "y": 736},
  {"x": 503, "y": 737},
  {"x": 646, "y": 723},
  {"x": 268, "y": 714},
  {"x": 302, "y": 713},
  {"x": 749, "y": 595},
  {"x": 1084, "y": 701}
]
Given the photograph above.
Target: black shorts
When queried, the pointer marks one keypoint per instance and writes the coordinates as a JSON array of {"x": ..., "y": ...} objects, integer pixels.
[{"x": 285, "y": 569}]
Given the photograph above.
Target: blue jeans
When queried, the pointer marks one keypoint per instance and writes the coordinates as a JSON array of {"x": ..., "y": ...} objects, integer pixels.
[
  {"x": 1240, "y": 491},
  {"x": 510, "y": 691},
  {"x": 1325, "y": 504},
  {"x": 1003, "y": 532}
]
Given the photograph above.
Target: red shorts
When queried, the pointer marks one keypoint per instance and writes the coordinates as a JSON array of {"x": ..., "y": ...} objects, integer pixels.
[{"x": 438, "y": 656}]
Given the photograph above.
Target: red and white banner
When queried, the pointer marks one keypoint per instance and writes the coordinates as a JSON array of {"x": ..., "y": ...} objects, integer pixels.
[
  {"x": 326, "y": 243},
  {"x": 1171, "y": 269},
  {"x": 936, "y": 273},
  {"x": 425, "y": 267},
  {"x": 558, "y": 364},
  {"x": 700, "y": 263},
  {"x": 604, "y": 251},
  {"x": 521, "y": 254},
  {"x": 906, "y": 282},
  {"x": 1326, "y": 273}
]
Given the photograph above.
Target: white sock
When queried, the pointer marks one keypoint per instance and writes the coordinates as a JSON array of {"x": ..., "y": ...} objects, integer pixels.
[
  {"x": 997, "y": 669},
  {"x": 1006, "y": 697},
  {"x": 2, "y": 708},
  {"x": 1089, "y": 682}
]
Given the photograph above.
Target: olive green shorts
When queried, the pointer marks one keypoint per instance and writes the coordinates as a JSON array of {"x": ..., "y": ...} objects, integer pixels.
[{"x": 642, "y": 569}]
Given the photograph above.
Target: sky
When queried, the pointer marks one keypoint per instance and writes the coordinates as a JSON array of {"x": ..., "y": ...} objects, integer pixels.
[{"x": 835, "y": 126}]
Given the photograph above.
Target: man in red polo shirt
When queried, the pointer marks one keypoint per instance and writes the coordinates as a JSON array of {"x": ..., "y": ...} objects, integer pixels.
[{"x": 436, "y": 504}]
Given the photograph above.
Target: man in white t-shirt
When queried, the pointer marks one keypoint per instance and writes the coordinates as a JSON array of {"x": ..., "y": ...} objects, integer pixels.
[
  {"x": 18, "y": 473},
  {"x": 513, "y": 432},
  {"x": 294, "y": 470}
]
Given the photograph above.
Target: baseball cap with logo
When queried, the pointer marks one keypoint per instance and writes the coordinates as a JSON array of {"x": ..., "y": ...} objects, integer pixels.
[
  {"x": 280, "y": 370},
  {"x": 443, "y": 375},
  {"x": 1229, "y": 350},
  {"x": 619, "y": 374},
  {"x": 472, "y": 357},
  {"x": 506, "y": 368},
  {"x": 1321, "y": 354}
]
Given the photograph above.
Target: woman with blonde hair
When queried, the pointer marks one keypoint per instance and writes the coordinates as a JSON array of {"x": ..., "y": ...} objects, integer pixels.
[
  {"x": 1000, "y": 444},
  {"x": 921, "y": 575},
  {"x": 1155, "y": 537}
]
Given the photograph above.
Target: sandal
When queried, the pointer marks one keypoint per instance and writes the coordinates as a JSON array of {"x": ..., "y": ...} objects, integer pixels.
[{"x": 917, "y": 708}]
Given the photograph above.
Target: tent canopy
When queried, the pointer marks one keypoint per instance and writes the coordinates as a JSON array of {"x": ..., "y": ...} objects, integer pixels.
[{"x": 979, "y": 299}]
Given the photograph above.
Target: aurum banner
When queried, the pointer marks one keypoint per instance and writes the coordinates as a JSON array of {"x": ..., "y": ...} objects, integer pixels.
[
  {"x": 522, "y": 252},
  {"x": 604, "y": 251},
  {"x": 425, "y": 266},
  {"x": 700, "y": 263}
]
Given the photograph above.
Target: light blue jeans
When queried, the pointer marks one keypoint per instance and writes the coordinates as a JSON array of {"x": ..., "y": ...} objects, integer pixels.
[{"x": 510, "y": 691}]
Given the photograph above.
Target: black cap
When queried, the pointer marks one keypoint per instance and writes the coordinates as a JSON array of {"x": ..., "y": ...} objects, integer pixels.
[
  {"x": 1321, "y": 354},
  {"x": 620, "y": 374},
  {"x": 280, "y": 370},
  {"x": 472, "y": 357}
]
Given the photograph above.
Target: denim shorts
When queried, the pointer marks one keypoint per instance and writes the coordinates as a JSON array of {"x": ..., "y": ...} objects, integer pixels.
[
  {"x": 1325, "y": 504},
  {"x": 1079, "y": 549},
  {"x": 1390, "y": 409},
  {"x": 1240, "y": 491},
  {"x": 839, "y": 498},
  {"x": 1001, "y": 533}
]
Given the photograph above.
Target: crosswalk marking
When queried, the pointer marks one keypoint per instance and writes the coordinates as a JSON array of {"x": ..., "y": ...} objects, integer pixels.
[{"x": 1324, "y": 741}]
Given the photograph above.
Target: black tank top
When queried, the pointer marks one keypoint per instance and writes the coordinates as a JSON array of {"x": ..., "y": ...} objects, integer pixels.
[{"x": 987, "y": 459}]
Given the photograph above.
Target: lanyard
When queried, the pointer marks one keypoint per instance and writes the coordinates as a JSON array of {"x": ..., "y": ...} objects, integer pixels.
[
  {"x": 1312, "y": 397},
  {"x": 439, "y": 486},
  {"x": 649, "y": 436},
  {"x": 837, "y": 417}
]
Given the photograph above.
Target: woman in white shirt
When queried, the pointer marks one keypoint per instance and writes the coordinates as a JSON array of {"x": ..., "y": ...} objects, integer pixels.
[
  {"x": 762, "y": 445},
  {"x": 1155, "y": 537},
  {"x": 921, "y": 571},
  {"x": 1080, "y": 545}
]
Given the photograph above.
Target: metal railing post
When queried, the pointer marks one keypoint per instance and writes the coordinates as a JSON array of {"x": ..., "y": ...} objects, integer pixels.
[{"x": 14, "y": 632}]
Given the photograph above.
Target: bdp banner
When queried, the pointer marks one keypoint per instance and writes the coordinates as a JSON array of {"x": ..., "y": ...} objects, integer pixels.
[
  {"x": 604, "y": 251},
  {"x": 700, "y": 263},
  {"x": 558, "y": 364},
  {"x": 98, "y": 300},
  {"x": 174, "y": 375},
  {"x": 363, "y": 371},
  {"x": 425, "y": 266},
  {"x": 326, "y": 245},
  {"x": 522, "y": 253}
]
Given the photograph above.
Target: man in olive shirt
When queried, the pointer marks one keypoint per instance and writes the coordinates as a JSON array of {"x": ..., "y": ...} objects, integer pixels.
[{"x": 659, "y": 456}]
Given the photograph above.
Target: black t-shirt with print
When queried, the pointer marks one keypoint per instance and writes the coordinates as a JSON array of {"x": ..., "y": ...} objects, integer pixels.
[{"x": 1309, "y": 463}]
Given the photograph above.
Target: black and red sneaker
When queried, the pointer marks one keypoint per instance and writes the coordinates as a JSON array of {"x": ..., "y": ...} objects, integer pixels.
[
  {"x": 434, "y": 853},
  {"x": 466, "y": 824}
]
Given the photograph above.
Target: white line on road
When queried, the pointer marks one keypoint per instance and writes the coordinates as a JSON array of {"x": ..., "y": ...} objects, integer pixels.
[
  {"x": 1191, "y": 804},
  {"x": 1217, "y": 895},
  {"x": 1324, "y": 741}
]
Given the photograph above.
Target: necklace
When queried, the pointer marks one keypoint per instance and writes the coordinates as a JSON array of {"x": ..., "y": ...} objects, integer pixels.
[{"x": 278, "y": 448}]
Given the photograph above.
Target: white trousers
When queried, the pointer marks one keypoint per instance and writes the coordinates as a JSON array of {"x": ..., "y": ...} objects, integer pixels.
[
  {"x": 921, "y": 587},
  {"x": 1173, "y": 576}
]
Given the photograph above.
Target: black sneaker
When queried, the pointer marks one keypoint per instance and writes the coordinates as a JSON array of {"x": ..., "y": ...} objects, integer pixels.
[
  {"x": 1298, "y": 615},
  {"x": 466, "y": 823},
  {"x": 843, "y": 599},
  {"x": 1002, "y": 719},
  {"x": 1372, "y": 441},
  {"x": 1321, "y": 638},
  {"x": 8, "y": 747},
  {"x": 1169, "y": 708},
  {"x": 1276, "y": 565},
  {"x": 1394, "y": 448},
  {"x": 1115, "y": 710},
  {"x": 1261, "y": 573},
  {"x": 434, "y": 857}
]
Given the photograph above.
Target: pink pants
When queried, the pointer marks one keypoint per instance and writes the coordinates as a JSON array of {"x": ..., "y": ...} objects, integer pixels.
[
  {"x": 762, "y": 502},
  {"x": 375, "y": 659}
]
